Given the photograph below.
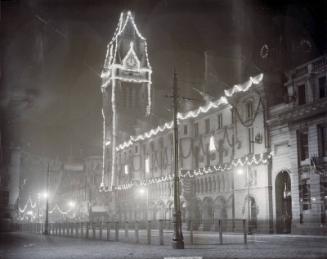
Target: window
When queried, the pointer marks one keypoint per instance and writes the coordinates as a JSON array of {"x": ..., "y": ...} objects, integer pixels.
[
  {"x": 136, "y": 149},
  {"x": 301, "y": 94},
  {"x": 220, "y": 121},
  {"x": 251, "y": 140},
  {"x": 185, "y": 129},
  {"x": 147, "y": 165},
  {"x": 305, "y": 196},
  {"x": 196, "y": 129},
  {"x": 322, "y": 87},
  {"x": 322, "y": 131},
  {"x": 207, "y": 125},
  {"x": 196, "y": 156},
  {"x": 249, "y": 109},
  {"x": 303, "y": 145}
]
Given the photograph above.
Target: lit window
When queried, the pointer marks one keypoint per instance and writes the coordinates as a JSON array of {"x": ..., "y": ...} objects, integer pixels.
[
  {"x": 147, "y": 165},
  {"x": 126, "y": 169}
]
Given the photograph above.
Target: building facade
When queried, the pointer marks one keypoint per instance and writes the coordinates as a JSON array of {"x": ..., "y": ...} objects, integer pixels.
[
  {"x": 299, "y": 137},
  {"x": 224, "y": 161}
]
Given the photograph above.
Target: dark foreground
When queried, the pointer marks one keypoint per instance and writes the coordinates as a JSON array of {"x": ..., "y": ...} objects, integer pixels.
[{"x": 34, "y": 246}]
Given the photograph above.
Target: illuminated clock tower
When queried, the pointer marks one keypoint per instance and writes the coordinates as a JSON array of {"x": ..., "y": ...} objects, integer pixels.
[{"x": 126, "y": 90}]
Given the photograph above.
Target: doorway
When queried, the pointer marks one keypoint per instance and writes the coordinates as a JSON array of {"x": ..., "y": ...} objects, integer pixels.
[{"x": 283, "y": 203}]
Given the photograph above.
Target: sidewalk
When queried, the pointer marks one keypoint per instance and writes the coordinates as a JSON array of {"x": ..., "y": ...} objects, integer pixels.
[{"x": 33, "y": 246}]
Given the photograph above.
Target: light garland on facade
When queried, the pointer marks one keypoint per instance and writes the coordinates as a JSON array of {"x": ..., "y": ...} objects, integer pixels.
[
  {"x": 62, "y": 212},
  {"x": 141, "y": 73},
  {"x": 245, "y": 86},
  {"x": 248, "y": 160},
  {"x": 29, "y": 201},
  {"x": 33, "y": 205},
  {"x": 203, "y": 109},
  {"x": 103, "y": 149},
  {"x": 109, "y": 75},
  {"x": 195, "y": 113},
  {"x": 169, "y": 125}
]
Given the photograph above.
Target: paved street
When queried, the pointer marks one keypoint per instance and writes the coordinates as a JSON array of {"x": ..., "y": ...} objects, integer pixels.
[{"x": 34, "y": 246}]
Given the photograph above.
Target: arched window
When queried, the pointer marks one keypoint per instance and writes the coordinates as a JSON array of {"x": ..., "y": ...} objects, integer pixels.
[{"x": 249, "y": 109}]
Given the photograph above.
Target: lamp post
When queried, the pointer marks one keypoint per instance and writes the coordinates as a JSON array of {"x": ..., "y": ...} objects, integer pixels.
[{"x": 177, "y": 240}]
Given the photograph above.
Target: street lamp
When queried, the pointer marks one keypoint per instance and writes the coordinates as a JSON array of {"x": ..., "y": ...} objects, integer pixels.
[
  {"x": 145, "y": 191},
  {"x": 177, "y": 240},
  {"x": 71, "y": 204}
]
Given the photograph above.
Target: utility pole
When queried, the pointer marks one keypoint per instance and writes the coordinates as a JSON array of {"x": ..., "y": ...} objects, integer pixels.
[
  {"x": 46, "y": 232},
  {"x": 177, "y": 241}
]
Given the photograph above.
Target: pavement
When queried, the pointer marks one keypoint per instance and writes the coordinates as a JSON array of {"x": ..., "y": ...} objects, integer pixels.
[{"x": 34, "y": 246}]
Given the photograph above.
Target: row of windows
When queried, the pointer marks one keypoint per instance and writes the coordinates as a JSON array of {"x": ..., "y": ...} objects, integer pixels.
[
  {"x": 220, "y": 124},
  {"x": 303, "y": 142},
  {"x": 322, "y": 90}
]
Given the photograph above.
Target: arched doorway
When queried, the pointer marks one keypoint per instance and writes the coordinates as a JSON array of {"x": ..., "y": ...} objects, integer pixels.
[{"x": 283, "y": 202}]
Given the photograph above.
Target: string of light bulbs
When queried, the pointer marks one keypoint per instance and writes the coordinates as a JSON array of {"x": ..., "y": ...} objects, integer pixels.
[
  {"x": 195, "y": 113},
  {"x": 29, "y": 201},
  {"x": 248, "y": 160}
]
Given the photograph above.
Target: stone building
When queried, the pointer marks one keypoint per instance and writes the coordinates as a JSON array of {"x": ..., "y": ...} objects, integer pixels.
[
  {"x": 224, "y": 160},
  {"x": 299, "y": 144}
]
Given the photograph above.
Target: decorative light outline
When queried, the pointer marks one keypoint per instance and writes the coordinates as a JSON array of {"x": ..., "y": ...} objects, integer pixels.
[{"x": 248, "y": 160}]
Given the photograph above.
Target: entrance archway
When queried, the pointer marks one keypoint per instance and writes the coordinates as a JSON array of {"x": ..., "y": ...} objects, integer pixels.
[{"x": 283, "y": 202}]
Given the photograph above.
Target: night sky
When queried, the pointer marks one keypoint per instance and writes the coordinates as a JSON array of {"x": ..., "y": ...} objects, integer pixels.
[{"x": 53, "y": 52}]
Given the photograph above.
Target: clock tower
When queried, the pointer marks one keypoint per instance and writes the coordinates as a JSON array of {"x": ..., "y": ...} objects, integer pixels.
[{"x": 126, "y": 91}]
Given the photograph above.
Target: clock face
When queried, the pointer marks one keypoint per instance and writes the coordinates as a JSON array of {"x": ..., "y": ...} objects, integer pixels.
[{"x": 131, "y": 61}]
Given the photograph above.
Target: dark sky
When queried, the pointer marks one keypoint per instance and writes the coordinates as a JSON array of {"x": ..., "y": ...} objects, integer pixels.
[{"x": 53, "y": 52}]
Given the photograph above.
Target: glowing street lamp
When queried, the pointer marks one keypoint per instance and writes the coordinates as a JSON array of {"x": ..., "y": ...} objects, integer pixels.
[
  {"x": 71, "y": 204},
  {"x": 45, "y": 195}
]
